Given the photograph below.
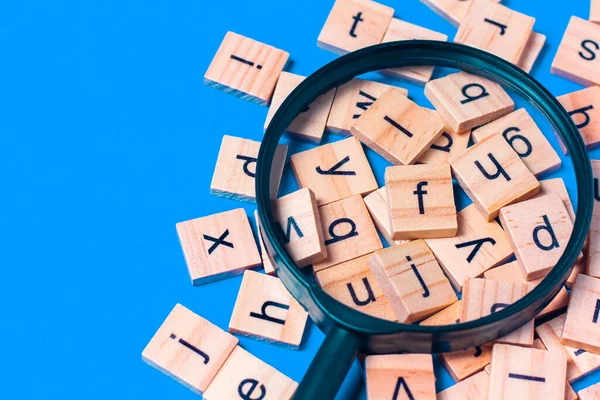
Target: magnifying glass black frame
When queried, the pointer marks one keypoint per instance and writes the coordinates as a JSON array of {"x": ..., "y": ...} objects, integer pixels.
[{"x": 350, "y": 331}]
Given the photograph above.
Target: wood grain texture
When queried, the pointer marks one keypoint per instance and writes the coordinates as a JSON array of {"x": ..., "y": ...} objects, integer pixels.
[
  {"x": 397, "y": 128},
  {"x": 235, "y": 68},
  {"x": 532, "y": 50},
  {"x": 590, "y": 392},
  {"x": 578, "y": 55},
  {"x": 493, "y": 176},
  {"x": 465, "y": 101},
  {"x": 582, "y": 325},
  {"x": 453, "y": 11},
  {"x": 473, "y": 388},
  {"x": 218, "y": 246},
  {"x": 584, "y": 108},
  {"x": 267, "y": 262},
  {"x": 569, "y": 392},
  {"x": 334, "y": 171},
  {"x": 376, "y": 203},
  {"x": 557, "y": 185},
  {"x": 412, "y": 280},
  {"x": 593, "y": 248},
  {"x": 448, "y": 145},
  {"x": 394, "y": 376},
  {"x": 189, "y": 349},
  {"x": 354, "y": 24},
  {"x": 420, "y": 199}
]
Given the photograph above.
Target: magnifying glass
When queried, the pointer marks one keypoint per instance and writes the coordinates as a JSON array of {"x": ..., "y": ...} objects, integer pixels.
[{"x": 350, "y": 331}]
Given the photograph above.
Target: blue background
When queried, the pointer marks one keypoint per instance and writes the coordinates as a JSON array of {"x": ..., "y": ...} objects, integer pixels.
[{"x": 108, "y": 137}]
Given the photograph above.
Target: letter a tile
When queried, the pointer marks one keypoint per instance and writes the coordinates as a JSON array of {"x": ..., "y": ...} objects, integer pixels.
[
  {"x": 218, "y": 246},
  {"x": 578, "y": 55},
  {"x": 189, "y": 349},
  {"x": 421, "y": 201},
  {"x": 264, "y": 309},
  {"x": 244, "y": 376},
  {"x": 235, "y": 172},
  {"x": 478, "y": 246},
  {"x": 334, "y": 171},
  {"x": 584, "y": 108},
  {"x": 412, "y": 280},
  {"x": 493, "y": 175},
  {"x": 526, "y": 374},
  {"x": 593, "y": 250},
  {"x": 400, "y": 376},
  {"x": 348, "y": 231},
  {"x": 453, "y": 11},
  {"x": 354, "y": 24},
  {"x": 582, "y": 326},
  {"x": 246, "y": 68},
  {"x": 465, "y": 101}
]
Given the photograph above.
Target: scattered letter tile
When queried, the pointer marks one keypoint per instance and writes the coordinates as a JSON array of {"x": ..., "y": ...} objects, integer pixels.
[
  {"x": 534, "y": 47},
  {"x": 376, "y": 203},
  {"x": 465, "y": 101},
  {"x": 473, "y": 388},
  {"x": 557, "y": 185},
  {"x": 453, "y": 11},
  {"x": 448, "y": 145},
  {"x": 593, "y": 250},
  {"x": 400, "y": 376},
  {"x": 582, "y": 328},
  {"x": 334, "y": 171},
  {"x": 412, "y": 280},
  {"x": 584, "y": 107},
  {"x": 189, "y": 349},
  {"x": 247, "y": 68},
  {"x": 218, "y": 246}
]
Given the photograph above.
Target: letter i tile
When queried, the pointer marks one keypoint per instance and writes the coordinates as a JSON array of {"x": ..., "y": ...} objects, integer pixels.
[
  {"x": 400, "y": 376},
  {"x": 582, "y": 326},
  {"x": 264, "y": 309}
]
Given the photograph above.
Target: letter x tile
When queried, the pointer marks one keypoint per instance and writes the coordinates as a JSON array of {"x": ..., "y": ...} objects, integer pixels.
[{"x": 218, "y": 246}]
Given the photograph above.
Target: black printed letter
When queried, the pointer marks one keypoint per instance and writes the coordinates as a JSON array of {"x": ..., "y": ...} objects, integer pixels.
[
  {"x": 499, "y": 25},
  {"x": 548, "y": 228},
  {"x": 364, "y": 105},
  {"x": 335, "y": 238},
  {"x": 401, "y": 383},
  {"x": 592, "y": 55},
  {"x": 370, "y": 295},
  {"x": 247, "y": 162},
  {"x": 445, "y": 148},
  {"x": 477, "y": 243},
  {"x": 263, "y": 312},
  {"x": 583, "y": 111},
  {"x": 469, "y": 99},
  {"x": 357, "y": 18},
  {"x": 419, "y": 277},
  {"x": 247, "y": 395},
  {"x": 522, "y": 138},
  {"x": 499, "y": 169},
  {"x": 334, "y": 170},
  {"x": 420, "y": 192},
  {"x": 191, "y": 347},
  {"x": 398, "y": 126},
  {"x": 291, "y": 223}
]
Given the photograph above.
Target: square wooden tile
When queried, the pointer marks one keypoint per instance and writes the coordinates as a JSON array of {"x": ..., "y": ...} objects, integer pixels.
[
  {"x": 189, "y": 349},
  {"x": 448, "y": 145},
  {"x": 354, "y": 24},
  {"x": 526, "y": 139},
  {"x": 593, "y": 248},
  {"x": 580, "y": 362},
  {"x": 348, "y": 231},
  {"x": 353, "y": 284},
  {"x": 590, "y": 392},
  {"x": 539, "y": 230},
  {"x": 402, "y": 30},
  {"x": 569, "y": 392},
  {"x": 473, "y": 388},
  {"x": 246, "y": 376},
  {"x": 482, "y": 297},
  {"x": 298, "y": 218},
  {"x": 310, "y": 124},
  {"x": 265, "y": 310},
  {"x": 532, "y": 50},
  {"x": 376, "y": 203},
  {"x": 246, "y": 68},
  {"x": 582, "y": 328},
  {"x": 496, "y": 29},
  {"x": 453, "y": 11},
  {"x": 400, "y": 376},
  {"x": 351, "y": 100},
  {"x": 268, "y": 264},
  {"x": 421, "y": 201},
  {"x": 235, "y": 172},
  {"x": 397, "y": 128},
  {"x": 557, "y": 185},
  {"x": 584, "y": 107},
  {"x": 578, "y": 55},
  {"x": 493, "y": 176},
  {"x": 334, "y": 171},
  {"x": 412, "y": 280},
  {"x": 478, "y": 246},
  {"x": 218, "y": 246},
  {"x": 528, "y": 374},
  {"x": 465, "y": 101},
  {"x": 595, "y": 11}
]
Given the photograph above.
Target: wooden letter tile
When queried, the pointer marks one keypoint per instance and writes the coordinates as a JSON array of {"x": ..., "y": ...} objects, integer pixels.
[
  {"x": 582, "y": 328},
  {"x": 539, "y": 230},
  {"x": 334, "y": 171},
  {"x": 578, "y": 56},
  {"x": 351, "y": 100},
  {"x": 300, "y": 223},
  {"x": 397, "y": 128},
  {"x": 189, "y": 349},
  {"x": 310, "y": 124},
  {"x": 584, "y": 107},
  {"x": 482, "y": 297},
  {"x": 354, "y": 24},
  {"x": 557, "y": 185},
  {"x": 473, "y": 388},
  {"x": 495, "y": 28},
  {"x": 593, "y": 250},
  {"x": 465, "y": 101},
  {"x": 421, "y": 201},
  {"x": 264, "y": 309},
  {"x": 268, "y": 264},
  {"x": 353, "y": 284},
  {"x": 595, "y": 11},
  {"x": 412, "y": 280},
  {"x": 448, "y": 145},
  {"x": 246, "y": 68},
  {"x": 569, "y": 392},
  {"x": 348, "y": 231},
  {"x": 453, "y": 11},
  {"x": 400, "y": 376},
  {"x": 402, "y": 30},
  {"x": 534, "y": 47},
  {"x": 377, "y": 205},
  {"x": 526, "y": 139},
  {"x": 245, "y": 376},
  {"x": 218, "y": 246},
  {"x": 527, "y": 374},
  {"x": 493, "y": 175},
  {"x": 235, "y": 172},
  {"x": 590, "y": 392},
  {"x": 478, "y": 246}
]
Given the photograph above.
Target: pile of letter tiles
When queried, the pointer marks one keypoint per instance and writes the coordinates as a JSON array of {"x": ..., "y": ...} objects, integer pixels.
[{"x": 489, "y": 254}]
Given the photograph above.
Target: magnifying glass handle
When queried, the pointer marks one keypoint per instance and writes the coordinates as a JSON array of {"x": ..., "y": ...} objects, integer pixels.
[{"x": 329, "y": 367}]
